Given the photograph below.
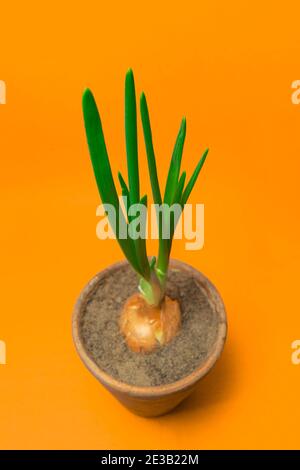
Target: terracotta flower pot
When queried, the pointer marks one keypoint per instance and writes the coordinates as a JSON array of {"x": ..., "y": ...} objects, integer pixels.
[{"x": 158, "y": 400}]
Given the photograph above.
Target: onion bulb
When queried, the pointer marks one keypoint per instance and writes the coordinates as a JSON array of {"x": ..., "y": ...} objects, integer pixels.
[{"x": 146, "y": 327}]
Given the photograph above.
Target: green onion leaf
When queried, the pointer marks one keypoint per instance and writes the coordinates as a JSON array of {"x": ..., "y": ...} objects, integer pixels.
[
  {"x": 152, "y": 262},
  {"x": 140, "y": 246},
  {"x": 125, "y": 193},
  {"x": 131, "y": 138},
  {"x": 191, "y": 183},
  {"x": 178, "y": 193},
  {"x": 102, "y": 171},
  {"x": 172, "y": 179},
  {"x": 177, "y": 199},
  {"x": 150, "y": 149}
]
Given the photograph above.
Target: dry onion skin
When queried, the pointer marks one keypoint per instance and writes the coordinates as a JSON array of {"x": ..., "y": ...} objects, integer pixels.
[{"x": 146, "y": 327}]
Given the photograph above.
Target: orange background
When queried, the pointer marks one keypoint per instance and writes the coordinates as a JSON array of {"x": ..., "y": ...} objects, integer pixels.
[{"x": 228, "y": 67}]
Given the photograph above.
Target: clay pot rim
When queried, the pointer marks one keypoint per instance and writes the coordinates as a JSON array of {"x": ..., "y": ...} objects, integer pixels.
[{"x": 158, "y": 390}]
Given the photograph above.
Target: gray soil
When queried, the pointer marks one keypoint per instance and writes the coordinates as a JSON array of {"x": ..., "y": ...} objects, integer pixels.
[{"x": 102, "y": 340}]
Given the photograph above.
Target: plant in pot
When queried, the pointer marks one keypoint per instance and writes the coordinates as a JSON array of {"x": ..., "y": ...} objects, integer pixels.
[{"x": 147, "y": 328}]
